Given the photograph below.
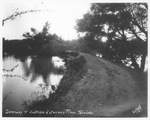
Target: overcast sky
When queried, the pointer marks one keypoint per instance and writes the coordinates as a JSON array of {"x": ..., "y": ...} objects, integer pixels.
[{"x": 62, "y": 16}]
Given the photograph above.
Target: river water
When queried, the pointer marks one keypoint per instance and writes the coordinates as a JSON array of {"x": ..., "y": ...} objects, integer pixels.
[{"x": 28, "y": 80}]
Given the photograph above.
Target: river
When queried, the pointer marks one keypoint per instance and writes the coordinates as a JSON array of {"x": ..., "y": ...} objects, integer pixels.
[{"x": 28, "y": 80}]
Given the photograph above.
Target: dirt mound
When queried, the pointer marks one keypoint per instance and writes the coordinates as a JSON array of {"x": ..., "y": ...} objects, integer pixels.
[
  {"x": 99, "y": 88},
  {"x": 103, "y": 85}
]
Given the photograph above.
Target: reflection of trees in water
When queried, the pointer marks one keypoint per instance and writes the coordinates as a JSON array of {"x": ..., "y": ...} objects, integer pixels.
[
  {"x": 22, "y": 58},
  {"x": 33, "y": 68},
  {"x": 41, "y": 66}
]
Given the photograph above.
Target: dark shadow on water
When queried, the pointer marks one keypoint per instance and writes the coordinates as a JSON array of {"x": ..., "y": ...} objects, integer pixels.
[
  {"x": 38, "y": 66},
  {"x": 41, "y": 66}
]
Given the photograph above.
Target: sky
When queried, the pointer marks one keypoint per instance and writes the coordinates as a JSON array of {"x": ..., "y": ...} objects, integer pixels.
[{"x": 61, "y": 15}]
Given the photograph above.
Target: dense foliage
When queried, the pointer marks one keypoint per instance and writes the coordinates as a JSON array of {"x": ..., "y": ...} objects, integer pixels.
[{"x": 125, "y": 27}]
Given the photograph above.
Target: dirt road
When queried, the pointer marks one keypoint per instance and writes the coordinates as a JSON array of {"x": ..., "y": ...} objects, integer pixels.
[{"x": 104, "y": 89}]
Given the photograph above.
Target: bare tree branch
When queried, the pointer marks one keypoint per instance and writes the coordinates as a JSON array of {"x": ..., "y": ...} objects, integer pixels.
[
  {"x": 142, "y": 29},
  {"x": 13, "y": 16},
  {"x": 133, "y": 31}
]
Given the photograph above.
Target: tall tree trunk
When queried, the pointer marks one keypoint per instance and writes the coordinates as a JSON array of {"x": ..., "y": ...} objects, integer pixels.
[
  {"x": 143, "y": 60},
  {"x": 134, "y": 63}
]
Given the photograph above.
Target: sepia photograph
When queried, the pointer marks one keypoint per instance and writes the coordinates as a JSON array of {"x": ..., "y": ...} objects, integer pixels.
[{"x": 74, "y": 59}]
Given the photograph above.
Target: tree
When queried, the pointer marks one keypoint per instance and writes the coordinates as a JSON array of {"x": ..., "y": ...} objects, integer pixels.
[
  {"x": 40, "y": 39},
  {"x": 44, "y": 35},
  {"x": 124, "y": 25}
]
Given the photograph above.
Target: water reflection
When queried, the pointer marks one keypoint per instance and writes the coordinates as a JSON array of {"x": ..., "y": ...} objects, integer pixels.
[
  {"x": 44, "y": 67},
  {"x": 42, "y": 77}
]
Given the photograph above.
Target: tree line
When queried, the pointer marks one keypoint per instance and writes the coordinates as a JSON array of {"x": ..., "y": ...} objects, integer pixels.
[{"x": 123, "y": 25}]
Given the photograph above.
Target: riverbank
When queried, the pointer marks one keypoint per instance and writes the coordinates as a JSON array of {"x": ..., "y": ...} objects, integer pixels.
[{"x": 95, "y": 87}]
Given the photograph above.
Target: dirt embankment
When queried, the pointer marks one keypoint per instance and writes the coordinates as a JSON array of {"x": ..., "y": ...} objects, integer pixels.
[{"x": 98, "y": 88}]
